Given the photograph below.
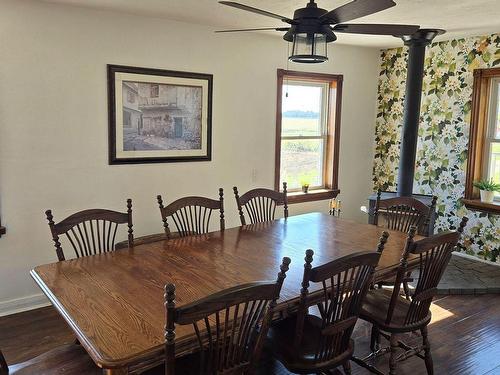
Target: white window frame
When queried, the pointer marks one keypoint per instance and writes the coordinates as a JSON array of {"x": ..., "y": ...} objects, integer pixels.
[
  {"x": 490, "y": 139},
  {"x": 323, "y": 131}
]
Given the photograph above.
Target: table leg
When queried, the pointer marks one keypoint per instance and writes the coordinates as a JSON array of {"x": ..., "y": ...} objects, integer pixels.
[{"x": 115, "y": 371}]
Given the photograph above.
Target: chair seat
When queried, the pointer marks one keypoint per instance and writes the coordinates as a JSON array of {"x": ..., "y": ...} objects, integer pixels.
[
  {"x": 392, "y": 280},
  {"x": 281, "y": 338},
  {"x": 375, "y": 308},
  {"x": 68, "y": 360}
]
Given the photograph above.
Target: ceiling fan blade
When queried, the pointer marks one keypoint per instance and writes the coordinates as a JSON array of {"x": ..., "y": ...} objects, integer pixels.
[
  {"x": 356, "y": 9},
  {"x": 256, "y": 10},
  {"x": 376, "y": 29},
  {"x": 258, "y": 29}
]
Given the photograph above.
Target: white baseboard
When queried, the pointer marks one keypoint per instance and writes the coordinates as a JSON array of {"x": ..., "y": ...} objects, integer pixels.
[{"x": 17, "y": 305}]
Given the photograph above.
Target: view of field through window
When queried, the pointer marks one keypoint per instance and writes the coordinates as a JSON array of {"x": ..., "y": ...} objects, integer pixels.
[
  {"x": 494, "y": 167},
  {"x": 303, "y": 134}
]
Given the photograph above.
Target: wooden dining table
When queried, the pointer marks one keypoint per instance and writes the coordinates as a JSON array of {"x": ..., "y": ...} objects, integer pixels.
[{"x": 114, "y": 301}]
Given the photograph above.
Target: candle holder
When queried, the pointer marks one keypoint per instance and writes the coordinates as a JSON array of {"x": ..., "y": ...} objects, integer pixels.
[{"x": 335, "y": 207}]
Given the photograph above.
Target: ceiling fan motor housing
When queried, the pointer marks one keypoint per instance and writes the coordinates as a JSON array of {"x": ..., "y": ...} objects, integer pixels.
[
  {"x": 309, "y": 35},
  {"x": 307, "y": 21},
  {"x": 312, "y": 28}
]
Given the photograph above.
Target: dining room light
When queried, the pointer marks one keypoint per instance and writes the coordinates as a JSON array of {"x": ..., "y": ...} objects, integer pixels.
[
  {"x": 309, "y": 43},
  {"x": 309, "y": 48}
]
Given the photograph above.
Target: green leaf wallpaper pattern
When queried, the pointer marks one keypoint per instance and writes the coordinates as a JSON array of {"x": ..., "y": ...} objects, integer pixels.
[{"x": 443, "y": 133}]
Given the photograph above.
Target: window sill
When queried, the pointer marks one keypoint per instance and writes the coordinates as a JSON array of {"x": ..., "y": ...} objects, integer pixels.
[
  {"x": 477, "y": 205},
  {"x": 311, "y": 196},
  {"x": 3, "y": 230}
]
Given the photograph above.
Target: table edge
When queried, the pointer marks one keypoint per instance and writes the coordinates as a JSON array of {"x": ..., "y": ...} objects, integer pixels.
[
  {"x": 104, "y": 362},
  {"x": 99, "y": 360}
]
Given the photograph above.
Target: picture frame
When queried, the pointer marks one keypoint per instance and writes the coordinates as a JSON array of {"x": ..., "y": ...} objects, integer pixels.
[{"x": 158, "y": 116}]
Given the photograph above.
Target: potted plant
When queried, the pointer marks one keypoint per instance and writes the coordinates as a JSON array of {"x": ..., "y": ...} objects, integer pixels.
[
  {"x": 305, "y": 181},
  {"x": 487, "y": 189},
  {"x": 305, "y": 187}
]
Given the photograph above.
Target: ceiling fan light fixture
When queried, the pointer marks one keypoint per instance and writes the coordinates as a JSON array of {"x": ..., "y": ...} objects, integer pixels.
[
  {"x": 311, "y": 28},
  {"x": 309, "y": 48}
]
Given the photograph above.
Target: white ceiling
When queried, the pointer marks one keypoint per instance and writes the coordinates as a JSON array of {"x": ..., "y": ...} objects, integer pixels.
[{"x": 458, "y": 17}]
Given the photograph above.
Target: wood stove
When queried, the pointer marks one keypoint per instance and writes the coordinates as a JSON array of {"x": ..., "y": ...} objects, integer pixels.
[{"x": 409, "y": 137}]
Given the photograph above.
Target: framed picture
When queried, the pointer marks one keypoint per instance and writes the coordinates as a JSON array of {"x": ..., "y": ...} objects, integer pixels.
[{"x": 158, "y": 116}]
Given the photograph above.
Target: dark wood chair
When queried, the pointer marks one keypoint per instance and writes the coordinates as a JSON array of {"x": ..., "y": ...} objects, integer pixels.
[
  {"x": 307, "y": 343},
  {"x": 391, "y": 314},
  {"x": 191, "y": 215},
  {"x": 402, "y": 213},
  {"x": 91, "y": 231},
  {"x": 230, "y": 325},
  {"x": 67, "y": 359},
  {"x": 260, "y": 204}
]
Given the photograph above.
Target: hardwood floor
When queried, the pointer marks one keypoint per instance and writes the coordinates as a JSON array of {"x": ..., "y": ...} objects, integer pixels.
[
  {"x": 26, "y": 335},
  {"x": 464, "y": 334}
]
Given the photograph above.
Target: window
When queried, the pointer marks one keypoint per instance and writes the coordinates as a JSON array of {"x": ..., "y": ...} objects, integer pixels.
[
  {"x": 492, "y": 141},
  {"x": 127, "y": 119},
  {"x": 130, "y": 96},
  {"x": 155, "y": 90},
  {"x": 178, "y": 127},
  {"x": 307, "y": 134},
  {"x": 484, "y": 138}
]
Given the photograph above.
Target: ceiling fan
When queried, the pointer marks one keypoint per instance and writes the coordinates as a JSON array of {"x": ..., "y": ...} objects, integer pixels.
[{"x": 312, "y": 28}]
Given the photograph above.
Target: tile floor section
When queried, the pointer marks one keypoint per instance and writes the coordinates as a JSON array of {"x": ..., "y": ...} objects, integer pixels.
[{"x": 467, "y": 276}]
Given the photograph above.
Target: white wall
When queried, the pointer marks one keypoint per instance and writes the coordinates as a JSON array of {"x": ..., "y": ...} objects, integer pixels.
[{"x": 53, "y": 123}]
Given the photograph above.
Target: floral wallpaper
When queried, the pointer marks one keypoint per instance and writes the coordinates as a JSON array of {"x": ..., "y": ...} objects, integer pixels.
[{"x": 443, "y": 133}]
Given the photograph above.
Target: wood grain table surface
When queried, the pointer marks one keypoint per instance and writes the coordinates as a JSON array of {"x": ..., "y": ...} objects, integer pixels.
[{"x": 114, "y": 301}]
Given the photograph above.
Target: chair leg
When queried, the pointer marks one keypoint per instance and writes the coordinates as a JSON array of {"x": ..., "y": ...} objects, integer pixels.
[
  {"x": 375, "y": 339},
  {"x": 392, "y": 359},
  {"x": 347, "y": 368},
  {"x": 427, "y": 350},
  {"x": 406, "y": 289}
]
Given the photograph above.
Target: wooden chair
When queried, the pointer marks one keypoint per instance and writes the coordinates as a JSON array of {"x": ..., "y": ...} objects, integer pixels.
[
  {"x": 391, "y": 314},
  {"x": 91, "y": 231},
  {"x": 402, "y": 213},
  {"x": 191, "y": 215},
  {"x": 230, "y": 325},
  {"x": 260, "y": 204},
  {"x": 307, "y": 343},
  {"x": 68, "y": 359}
]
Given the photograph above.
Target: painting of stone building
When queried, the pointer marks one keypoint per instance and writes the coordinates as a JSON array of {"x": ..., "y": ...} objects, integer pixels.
[
  {"x": 160, "y": 116},
  {"x": 132, "y": 117}
]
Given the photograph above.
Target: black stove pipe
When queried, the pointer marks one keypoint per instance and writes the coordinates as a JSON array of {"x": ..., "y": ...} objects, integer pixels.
[{"x": 415, "y": 74}]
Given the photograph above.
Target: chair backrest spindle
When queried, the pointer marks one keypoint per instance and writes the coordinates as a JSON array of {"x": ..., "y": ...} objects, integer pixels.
[
  {"x": 221, "y": 215},
  {"x": 433, "y": 254},
  {"x": 344, "y": 282},
  {"x": 4, "y": 369},
  {"x": 401, "y": 213},
  {"x": 230, "y": 325},
  {"x": 191, "y": 215},
  {"x": 129, "y": 221},
  {"x": 260, "y": 204},
  {"x": 91, "y": 231}
]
